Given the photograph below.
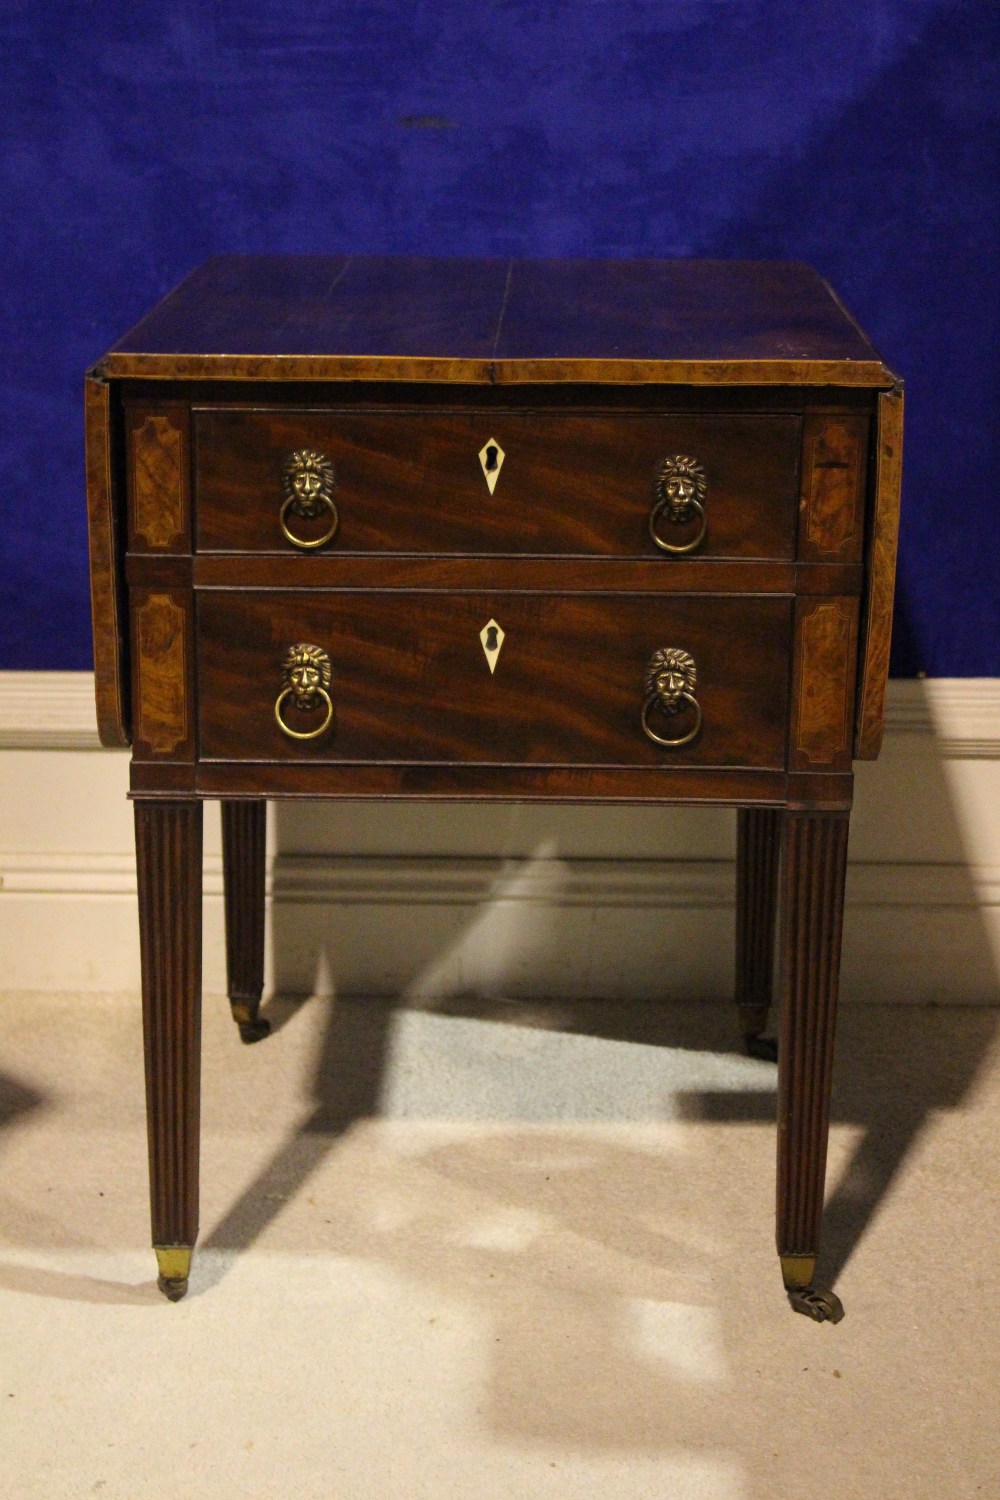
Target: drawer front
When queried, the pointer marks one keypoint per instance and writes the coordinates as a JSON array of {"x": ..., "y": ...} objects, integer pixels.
[
  {"x": 410, "y": 678},
  {"x": 427, "y": 481}
]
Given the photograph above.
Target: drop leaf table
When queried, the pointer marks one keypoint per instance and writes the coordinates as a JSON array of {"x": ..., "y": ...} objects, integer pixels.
[{"x": 573, "y": 531}]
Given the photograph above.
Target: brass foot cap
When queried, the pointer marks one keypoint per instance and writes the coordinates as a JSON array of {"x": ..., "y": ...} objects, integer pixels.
[
  {"x": 254, "y": 1031},
  {"x": 818, "y": 1303},
  {"x": 797, "y": 1271},
  {"x": 174, "y": 1265}
]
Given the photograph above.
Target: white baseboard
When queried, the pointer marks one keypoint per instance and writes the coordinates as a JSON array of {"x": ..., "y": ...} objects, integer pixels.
[
  {"x": 557, "y": 902},
  {"x": 47, "y": 711}
]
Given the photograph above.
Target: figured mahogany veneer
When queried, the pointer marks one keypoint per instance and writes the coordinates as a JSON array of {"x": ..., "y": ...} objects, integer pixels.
[
  {"x": 411, "y": 682},
  {"x": 568, "y": 483},
  {"x": 585, "y": 376}
]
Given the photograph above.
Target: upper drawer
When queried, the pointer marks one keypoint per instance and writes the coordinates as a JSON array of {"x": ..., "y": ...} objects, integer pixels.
[{"x": 500, "y": 482}]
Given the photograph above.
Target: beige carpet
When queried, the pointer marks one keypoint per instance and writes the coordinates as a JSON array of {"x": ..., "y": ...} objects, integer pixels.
[{"x": 511, "y": 1252}]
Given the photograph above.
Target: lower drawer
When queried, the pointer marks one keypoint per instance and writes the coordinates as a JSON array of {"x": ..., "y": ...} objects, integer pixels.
[{"x": 506, "y": 679}]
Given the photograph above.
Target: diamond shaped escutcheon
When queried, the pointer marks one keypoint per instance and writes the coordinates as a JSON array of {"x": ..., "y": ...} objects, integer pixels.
[
  {"x": 492, "y": 637},
  {"x": 491, "y": 457}
]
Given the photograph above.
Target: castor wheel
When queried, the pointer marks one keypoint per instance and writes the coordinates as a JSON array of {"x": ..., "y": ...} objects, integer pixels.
[
  {"x": 254, "y": 1031},
  {"x": 753, "y": 1019},
  {"x": 763, "y": 1047},
  {"x": 251, "y": 1025},
  {"x": 818, "y": 1303},
  {"x": 172, "y": 1287}
]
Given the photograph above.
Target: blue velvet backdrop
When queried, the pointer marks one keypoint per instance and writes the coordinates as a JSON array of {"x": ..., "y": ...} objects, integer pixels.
[{"x": 139, "y": 138}]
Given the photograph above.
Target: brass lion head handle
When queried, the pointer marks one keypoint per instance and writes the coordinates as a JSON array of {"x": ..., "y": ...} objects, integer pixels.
[
  {"x": 305, "y": 674},
  {"x": 308, "y": 484},
  {"x": 679, "y": 500},
  {"x": 671, "y": 679}
]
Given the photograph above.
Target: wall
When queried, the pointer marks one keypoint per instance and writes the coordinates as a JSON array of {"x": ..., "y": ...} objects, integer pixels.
[
  {"x": 138, "y": 139},
  {"x": 440, "y": 904}
]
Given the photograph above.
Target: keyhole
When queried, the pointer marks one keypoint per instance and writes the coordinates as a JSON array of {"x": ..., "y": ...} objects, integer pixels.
[
  {"x": 491, "y": 457},
  {"x": 491, "y": 638}
]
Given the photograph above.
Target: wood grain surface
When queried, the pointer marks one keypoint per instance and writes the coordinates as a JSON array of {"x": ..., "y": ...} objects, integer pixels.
[
  {"x": 683, "y": 785},
  {"x": 158, "y": 477},
  {"x": 824, "y": 670},
  {"x": 107, "y": 593},
  {"x": 406, "y": 318},
  {"x": 408, "y": 482},
  {"x": 758, "y": 847},
  {"x": 492, "y": 574},
  {"x": 411, "y": 682},
  {"x": 587, "y": 395},
  {"x": 834, "y": 469},
  {"x": 812, "y": 913},
  {"x": 881, "y": 574},
  {"x": 244, "y": 849},
  {"x": 168, "y": 846},
  {"x": 162, "y": 649}
]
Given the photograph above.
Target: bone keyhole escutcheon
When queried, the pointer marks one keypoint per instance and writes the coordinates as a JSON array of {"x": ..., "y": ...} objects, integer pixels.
[
  {"x": 491, "y": 638},
  {"x": 491, "y": 457}
]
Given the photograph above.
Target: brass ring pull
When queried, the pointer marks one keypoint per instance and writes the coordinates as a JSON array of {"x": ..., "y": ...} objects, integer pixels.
[
  {"x": 671, "y": 678},
  {"x": 678, "y": 548},
  {"x": 308, "y": 482},
  {"x": 680, "y": 492},
  {"x": 306, "y": 673},
  {"x": 684, "y": 739},
  {"x": 309, "y": 734},
  {"x": 298, "y": 541}
]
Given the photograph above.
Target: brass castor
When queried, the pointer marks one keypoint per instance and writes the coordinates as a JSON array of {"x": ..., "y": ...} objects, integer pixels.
[
  {"x": 763, "y": 1047},
  {"x": 816, "y": 1302},
  {"x": 753, "y": 1019},
  {"x": 173, "y": 1287},
  {"x": 254, "y": 1031},
  {"x": 174, "y": 1265},
  {"x": 253, "y": 1028}
]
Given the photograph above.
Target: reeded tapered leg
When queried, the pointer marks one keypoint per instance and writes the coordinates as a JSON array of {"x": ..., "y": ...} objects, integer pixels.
[
  {"x": 812, "y": 910},
  {"x": 243, "y": 858},
  {"x": 758, "y": 846},
  {"x": 168, "y": 865}
]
